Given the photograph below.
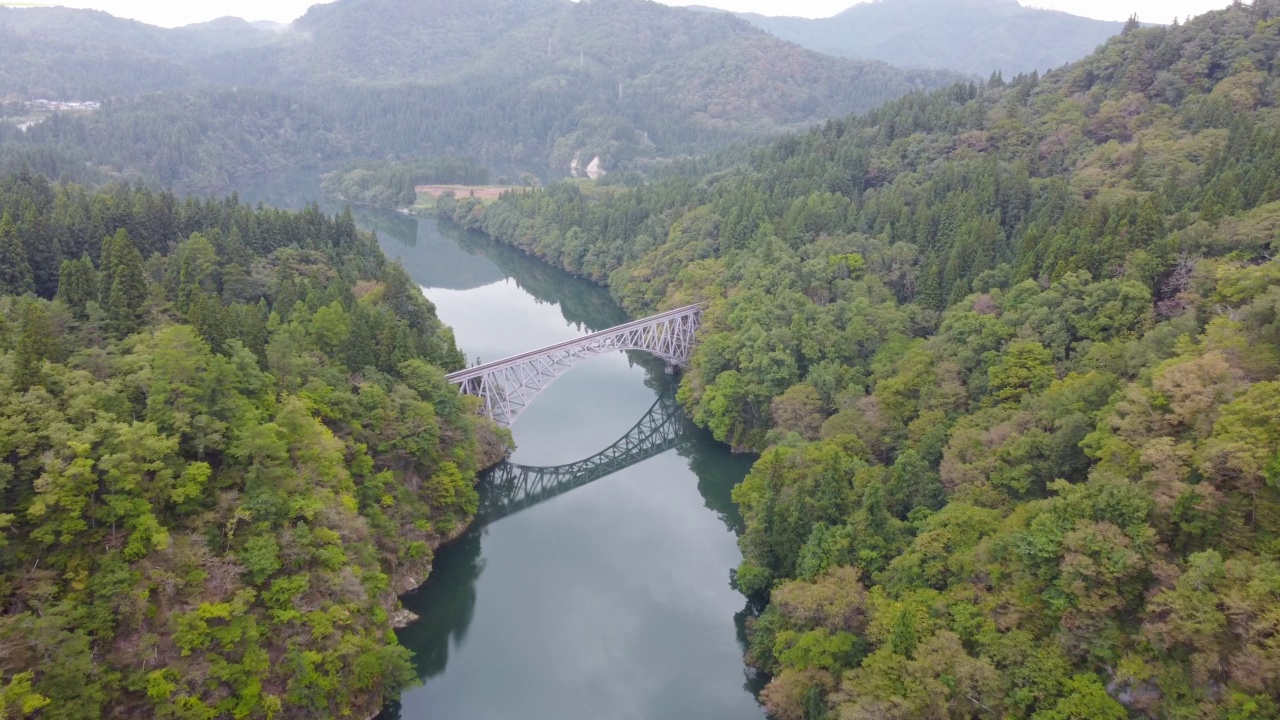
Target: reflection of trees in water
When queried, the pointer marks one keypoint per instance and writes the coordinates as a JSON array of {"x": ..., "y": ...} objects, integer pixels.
[
  {"x": 754, "y": 678},
  {"x": 718, "y": 471},
  {"x": 396, "y": 226},
  {"x": 582, "y": 302},
  {"x": 446, "y": 604},
  {"x": 289, "y": 190}
]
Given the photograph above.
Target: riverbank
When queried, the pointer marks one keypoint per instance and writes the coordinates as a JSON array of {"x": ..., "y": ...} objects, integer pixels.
[
  {"x": 606, "y": 600},
  {"x": 494, "y": 445},
  {"x": 622, "y": 584}
]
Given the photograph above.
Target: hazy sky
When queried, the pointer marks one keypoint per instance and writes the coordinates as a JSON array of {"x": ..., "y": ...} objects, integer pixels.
[{"x": 181, "y": 12}]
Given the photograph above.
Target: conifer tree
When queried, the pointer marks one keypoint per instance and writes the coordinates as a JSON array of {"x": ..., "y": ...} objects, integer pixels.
[
  {"x": 211, "y": 319},
  {"x": 35, "y": 344},
  {"x": 128, "y": 286},
  {"x": 42, "y": 254},
  {"x": 15, "y": 272},
  {"x": 107, "y": 268},
  {"x": 77, "y": 285}
]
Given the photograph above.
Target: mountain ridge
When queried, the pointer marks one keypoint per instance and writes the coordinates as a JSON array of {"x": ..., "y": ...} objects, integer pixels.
[
  {"x": 525, "y": 85},
  {"x": 971, "y": 36}
]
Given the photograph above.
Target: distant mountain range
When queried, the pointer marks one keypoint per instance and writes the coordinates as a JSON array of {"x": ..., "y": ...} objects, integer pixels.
[
  {"x": 970, "y": 36},
  {"x": 519, "y": 85},
  {"x": 516, "y": 84}
]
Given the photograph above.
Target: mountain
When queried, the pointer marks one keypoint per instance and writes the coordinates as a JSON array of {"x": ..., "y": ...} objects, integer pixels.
[
  {"x": 970, "y": 36},
  {"x": 519, "y": 85},
  {"x": 1009, "y": 355}
]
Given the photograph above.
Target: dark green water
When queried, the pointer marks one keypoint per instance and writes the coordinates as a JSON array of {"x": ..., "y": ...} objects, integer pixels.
[{"x": 611, "y": 601}]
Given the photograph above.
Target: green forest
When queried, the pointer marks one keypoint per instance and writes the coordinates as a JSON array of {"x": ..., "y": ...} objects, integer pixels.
[
  {"x": 516, "y": 85},
  {"x": 226, "y": 445},
  {"x": 1009, "y": 353},
  {"x": 393, "y": 185}
]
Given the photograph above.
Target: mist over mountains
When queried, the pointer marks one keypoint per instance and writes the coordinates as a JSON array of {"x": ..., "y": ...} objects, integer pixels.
[
  {"x": 518, "y": 85},
  {"x": 969, "y": 36}
]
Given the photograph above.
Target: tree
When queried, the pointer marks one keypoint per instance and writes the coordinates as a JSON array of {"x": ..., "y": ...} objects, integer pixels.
[
  {"x": 36, "y": 343},
  {"x": 78, "y": 285},
  {"x": 1024, "y": 367},
  {"x": 128, "y": 286},
  {"x": 1087, "y": 699},
  {"x": 799, "y": 410},
  {"x": 15, "y": 272},
  {"x": 330, "y": 328},
  {"x": 195, "y": 261},
  {"x": 17, "y": 698}
]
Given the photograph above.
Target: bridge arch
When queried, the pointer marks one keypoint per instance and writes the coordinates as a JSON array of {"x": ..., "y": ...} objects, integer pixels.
[
  {"x": 506, "y": 387},
  {"x": 509, "y": 488}
]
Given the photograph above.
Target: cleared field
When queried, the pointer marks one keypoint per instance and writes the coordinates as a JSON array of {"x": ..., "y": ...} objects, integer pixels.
[{"x": 483, "y": 192}]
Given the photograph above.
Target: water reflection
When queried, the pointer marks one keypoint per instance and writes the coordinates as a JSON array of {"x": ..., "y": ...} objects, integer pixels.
[
  {"x": 509, "y": 488},
  {"x": 446, "y": 603},
  {"x": 612, "y": 600},
  {"x": 582, "y": 303}
]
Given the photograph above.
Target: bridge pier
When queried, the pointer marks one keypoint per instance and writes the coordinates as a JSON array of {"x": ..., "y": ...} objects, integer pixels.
[{"x": 671, "y": 369}]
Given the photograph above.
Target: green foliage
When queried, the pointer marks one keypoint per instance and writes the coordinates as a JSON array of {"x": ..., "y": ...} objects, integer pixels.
[
  {"x": 18, "y": 700},
  {"x": 1035, "y": 425},
  {"x": 529, "y": 86},
  {"x": 1086, "y": 699},
  {"x": 128, "y": 290},
  {"x": 1024, "y": 367},
  {"x": 190, "y": 487},
  {"x": 393, "y": 185},
  {"x": 15, "y": 271},
  {"x": 78, "y": 285}
]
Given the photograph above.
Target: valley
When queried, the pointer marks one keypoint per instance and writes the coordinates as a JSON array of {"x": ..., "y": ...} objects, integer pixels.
[{"x": 973, "y": 410}]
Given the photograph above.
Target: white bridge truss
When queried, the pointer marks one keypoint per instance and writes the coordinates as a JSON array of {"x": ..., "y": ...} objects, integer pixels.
[{"x": 506, "y": 387}]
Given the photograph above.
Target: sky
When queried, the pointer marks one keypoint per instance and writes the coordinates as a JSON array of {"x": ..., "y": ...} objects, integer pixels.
[{"x": 171, "y": 13}]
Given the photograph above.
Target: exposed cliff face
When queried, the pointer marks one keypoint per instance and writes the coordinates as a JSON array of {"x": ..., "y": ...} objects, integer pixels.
[{"x": 593, "y": 170}]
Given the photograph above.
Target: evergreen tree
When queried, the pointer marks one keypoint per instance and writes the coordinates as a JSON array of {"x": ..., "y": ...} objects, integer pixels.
[
  {"x": 15, "y": 272},
  {"x": 35, "y": 344},
  {"x": 42, "y": 253},
  {"x": 1138, "y": 167},
  {"x": 210, "y": 318},
  {"x": 78, "y": 285},
  {"x": 107, "y": 267},
  {"x": 128, "y": 286}
]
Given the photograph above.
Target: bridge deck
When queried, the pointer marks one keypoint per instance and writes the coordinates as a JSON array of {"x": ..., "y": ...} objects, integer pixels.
[{"x": 481, "y": 370}]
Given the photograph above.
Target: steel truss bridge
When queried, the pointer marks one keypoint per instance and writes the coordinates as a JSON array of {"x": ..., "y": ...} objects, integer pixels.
[
  {"x": 507, "y": 387},
  {"x": 509, "y": 488}
]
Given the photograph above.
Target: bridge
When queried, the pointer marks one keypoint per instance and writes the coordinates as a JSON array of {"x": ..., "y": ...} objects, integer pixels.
[
  {"x": 509, "y": 488},
  {"x": 507, "y": 387}
]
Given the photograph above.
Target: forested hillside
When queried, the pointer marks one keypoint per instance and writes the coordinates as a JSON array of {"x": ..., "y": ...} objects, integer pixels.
[
  {"x": 517, "y": 85},
  {"x": 202, "y": 142},
  {"x": 1011, "y": 357},
  {"x": 393, "y": 185},
  {"x": 972, "y": 36},
  {"x": 226, "y": 444}
]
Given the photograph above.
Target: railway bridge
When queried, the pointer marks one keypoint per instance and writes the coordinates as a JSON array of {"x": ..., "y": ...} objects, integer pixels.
[{"x": 507, "y": 387}]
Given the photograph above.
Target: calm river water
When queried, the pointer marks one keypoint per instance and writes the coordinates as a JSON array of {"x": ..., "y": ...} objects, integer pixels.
[{"x": 609, "y": 601}]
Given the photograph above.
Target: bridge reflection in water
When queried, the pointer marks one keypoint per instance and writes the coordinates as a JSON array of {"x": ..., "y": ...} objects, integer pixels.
[
  {"x": 509, "y": 488},
  {"x": 450, "y": 595}
]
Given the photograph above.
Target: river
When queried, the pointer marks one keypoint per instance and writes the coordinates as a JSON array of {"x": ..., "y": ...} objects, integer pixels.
[{"x": 609, "y": 601}]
